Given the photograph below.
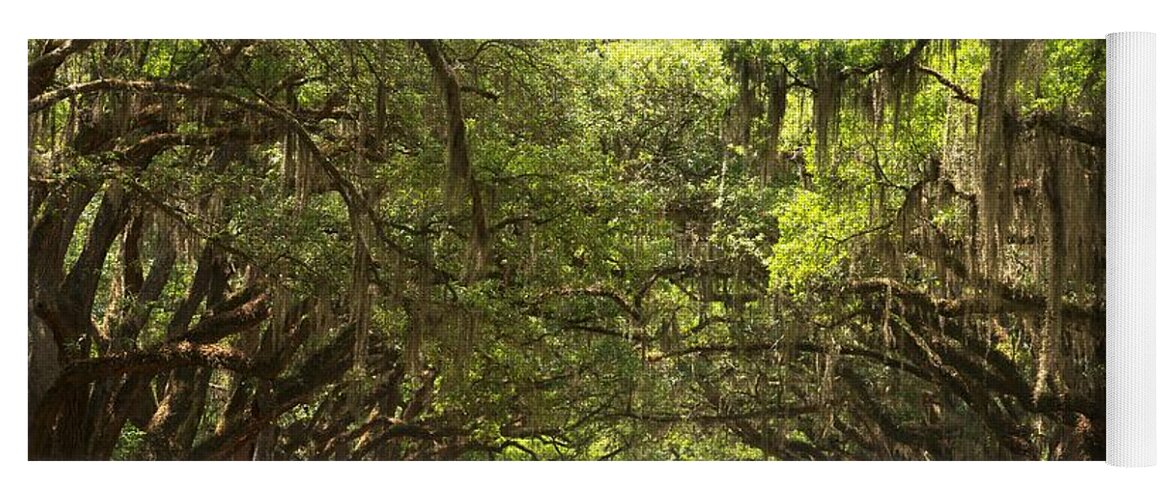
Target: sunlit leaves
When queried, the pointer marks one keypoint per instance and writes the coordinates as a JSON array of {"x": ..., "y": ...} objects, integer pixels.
[{"x": 812, "y": 245}]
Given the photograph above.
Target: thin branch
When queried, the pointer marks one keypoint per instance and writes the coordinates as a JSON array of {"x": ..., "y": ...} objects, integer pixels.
[
  {"x": 958, "y": 91},
  {"x": 1048, "y": 121},
  {"x": 492, "y": 96}
]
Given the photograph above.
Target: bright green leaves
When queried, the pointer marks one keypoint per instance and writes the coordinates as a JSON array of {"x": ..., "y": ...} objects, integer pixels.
[
  {"x": 812, "y": 245},
  {"x": 131, "y": 443},
  {"x": 164, "y": 57},
  {"x": 1080, "y": 74}
]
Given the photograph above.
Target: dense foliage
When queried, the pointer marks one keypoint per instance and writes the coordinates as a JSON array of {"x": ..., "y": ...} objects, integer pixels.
[{"x": 865, "y": 249}]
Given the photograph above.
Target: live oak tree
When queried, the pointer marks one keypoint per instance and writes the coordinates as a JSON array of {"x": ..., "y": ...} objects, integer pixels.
[{"x": 245, "y": 249}]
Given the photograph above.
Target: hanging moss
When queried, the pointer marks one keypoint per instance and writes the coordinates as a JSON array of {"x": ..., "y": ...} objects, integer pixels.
[
  {"x": 995, "y": 147},
  {"x": 900, "y": 78},
  {"x": 826, "y": 108},
  {"x": 1052, "y": 331},
  {"x": 778, "y": 97}
]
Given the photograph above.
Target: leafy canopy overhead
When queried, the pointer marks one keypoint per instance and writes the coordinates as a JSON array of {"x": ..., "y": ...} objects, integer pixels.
[{"x": 575, "y": 249}]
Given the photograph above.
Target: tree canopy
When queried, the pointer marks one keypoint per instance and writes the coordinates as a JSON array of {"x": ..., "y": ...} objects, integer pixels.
[{"x": 566, "y": 249}]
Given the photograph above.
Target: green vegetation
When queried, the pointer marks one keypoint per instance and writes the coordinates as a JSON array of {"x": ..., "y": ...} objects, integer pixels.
[{"x": 583, "y": 250}]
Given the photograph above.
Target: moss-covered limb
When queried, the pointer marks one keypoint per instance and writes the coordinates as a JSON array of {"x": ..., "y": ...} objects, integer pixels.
[
  {"x": 247, "y": 315},
  {"x": 1009, "y": 300},
  {"x": 1064, "y": 128},
  {"x": 907, "y": 60},
  {"x": 915, "y": 435},
  {"x": 58, "y": 408},
  {"x": 974, "y": 370},
  {"x": 158, "y": 360},
  {"x": 596, "y": 291},
  {"x": 42, "y": 69}
]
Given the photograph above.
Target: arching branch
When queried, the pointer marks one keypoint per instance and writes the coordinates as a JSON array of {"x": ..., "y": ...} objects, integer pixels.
[{"x": 156, "y": 361}]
